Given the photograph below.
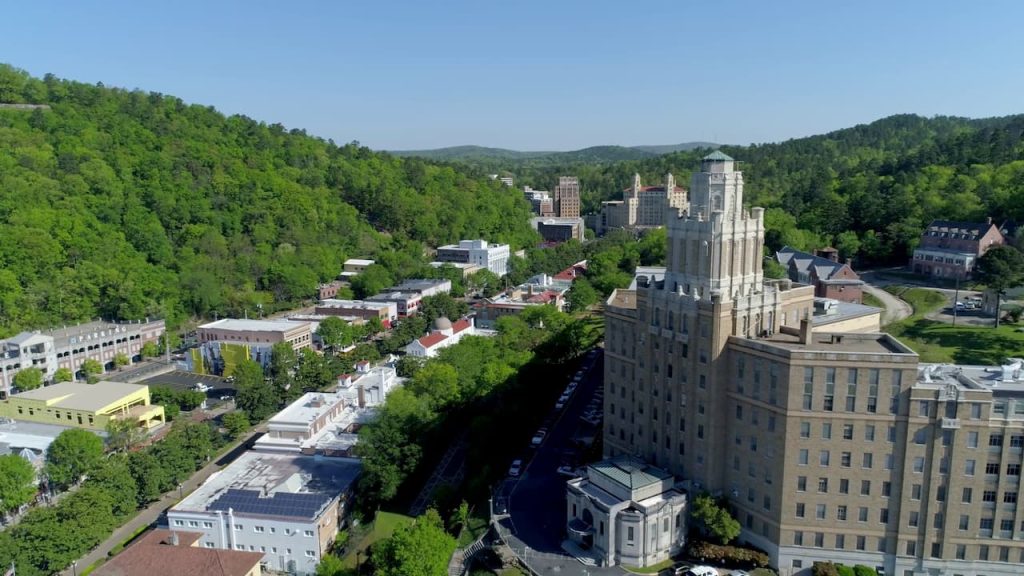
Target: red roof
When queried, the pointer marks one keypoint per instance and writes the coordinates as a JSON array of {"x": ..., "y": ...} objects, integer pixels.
[
  {"x": 155, "y": 555},
  {"x": 431, "y": 340},
  {"x": 460, "y": 325},
  {"x": 572, "y": 272}
]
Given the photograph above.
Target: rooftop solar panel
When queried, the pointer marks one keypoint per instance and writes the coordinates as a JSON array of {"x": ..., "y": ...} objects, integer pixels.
[{"x": 279, "y": 504}]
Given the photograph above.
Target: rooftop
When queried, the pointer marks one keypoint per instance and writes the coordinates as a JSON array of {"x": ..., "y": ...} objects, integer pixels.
[
  {"x": 623, "y": 299},
  {"x": 234, "y": 324},
  {"x": 828, "y": 311},
  {"x": 25, "y": 434},
  {"x": 1001, "y": 380},
  {"x": 274, "y": 485},
  {"x": 719, "y": 156},
  {"x": 361, "y": 304},
  {"x": 97, "y": 327},
  {"x": 307, "y": 408},
  {"x": 156, "y": 554},
  {"x": 359, "y": 262},
  {"x": 630, "y": 472},
  {"x": 417, "y": 284},
  {"x": 840, "y": 343},
  {"x": 85, "y": 397}
]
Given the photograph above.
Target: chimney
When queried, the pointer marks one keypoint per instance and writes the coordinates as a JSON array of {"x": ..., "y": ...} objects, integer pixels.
[
  {"x": 805, "y": 332},
  {"x": 174, "y": 539},
  {"x": 362, "y": 397},
  {"x": 988, "y": 220},
  {"x": 849, "y": 262}
]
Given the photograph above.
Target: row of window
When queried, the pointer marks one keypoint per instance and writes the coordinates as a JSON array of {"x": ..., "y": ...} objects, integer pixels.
[
  {"x": 239, "y": 527},
  {"x": 844, "y": 486},
  {"x": 846, "y": 431},
  {"x": 846, "y": 459},
  {"x": 841, "y": 513}
]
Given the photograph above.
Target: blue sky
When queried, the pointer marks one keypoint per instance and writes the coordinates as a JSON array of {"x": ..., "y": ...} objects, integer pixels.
[{"x": 541, "y": 75}]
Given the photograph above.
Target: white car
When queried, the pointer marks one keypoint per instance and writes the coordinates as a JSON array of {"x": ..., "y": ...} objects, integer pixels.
[
  {"x": 568, "y": 471},
  {"x": 697, "y": 571},
  {"x": 201, "y": 387},
  {"x": 515, "y": 468},
  {"x": 539, "y": 437},
  {"x": 561, "y": 403}
]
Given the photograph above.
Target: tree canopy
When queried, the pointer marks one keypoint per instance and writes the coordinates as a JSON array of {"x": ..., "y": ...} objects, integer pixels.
[
  {"x": 422, "y": 548},
  {"x": 71, "y": 455},
  {"x": 17, "y": 485},
  {"x": 125, "y": 204}
]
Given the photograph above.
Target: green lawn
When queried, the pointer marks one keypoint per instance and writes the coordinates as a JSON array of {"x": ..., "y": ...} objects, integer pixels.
[
  {"x": 870, "y": 300},
  {"x": 475, "y": 526},
  {"x": 384, "y": 525},
  {"x": 941, "y": 342}
]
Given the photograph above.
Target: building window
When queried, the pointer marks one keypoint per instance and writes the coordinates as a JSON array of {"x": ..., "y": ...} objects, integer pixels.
[
  {"x": 258, "y": 529},
  {"x": 992, "y": 468},
  {"x": 844, "y": 459},
  {"x": 798, "y": 538},
  {"x": 826, "y": 431},
  {"x": 865, "y": 487},
  {"x": 823, "y": 458},
  {"x": 862, "y": 514},
  {"x": 805, "y": 429},
  {"x": 629, "y": 534},
  {"x": 995, "y": 440},
  {"x": 914, "y": 519},
  {"x": 965, "y": 522},
  {"x": 179, "y": 523},
  {"x": 841, "y": 512},
  {"x": 844, "y": 486},
  {"x": 967, "y": 495},
  {"x": 969, "y": 466},
  {"x": 918, "y": 464},
  {"x": 308, "y": 533},
  {"x": 819, "y": 512},
  {"x": 802, "y": 458},
  {"x": 801, "y": 483},
  {"x": 800, "y": 509},
  {"x": 311, "y": 553},
  {"x": 823, "y": 485},
  {"x": 868, "y": 460},
  {"x": 847, "y": 431},
  {"x": 207, "y": 524},
  {"x": 988, "y": 496}
]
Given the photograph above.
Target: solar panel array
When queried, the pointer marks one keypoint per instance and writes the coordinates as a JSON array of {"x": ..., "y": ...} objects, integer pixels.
[{"x": 280, "y": 504}]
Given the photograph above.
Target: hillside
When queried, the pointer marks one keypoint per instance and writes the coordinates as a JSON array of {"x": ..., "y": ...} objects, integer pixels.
[
  {"x": 480, "y": 154},
  {"x": 869, "y": 189},
  {"x": 124, "y": 204}
]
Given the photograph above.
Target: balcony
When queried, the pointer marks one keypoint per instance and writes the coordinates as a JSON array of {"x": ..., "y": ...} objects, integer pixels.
[{"x": 950, "y": 423}]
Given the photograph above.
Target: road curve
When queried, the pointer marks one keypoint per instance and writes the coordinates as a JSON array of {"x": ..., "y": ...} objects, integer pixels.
[{"x": 895, "y": 309}]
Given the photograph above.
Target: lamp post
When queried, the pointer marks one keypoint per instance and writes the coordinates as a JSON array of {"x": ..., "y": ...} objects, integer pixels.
[
  {"x": 74, "y": 567},
  {"x": 180, "y": 494}
]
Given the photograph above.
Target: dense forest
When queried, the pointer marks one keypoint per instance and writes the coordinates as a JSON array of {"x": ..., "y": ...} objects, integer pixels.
[
  {"x": 124, "y": 204},
  {"x": 869, "y": 189},
  {"x": 500, "y": 156}
]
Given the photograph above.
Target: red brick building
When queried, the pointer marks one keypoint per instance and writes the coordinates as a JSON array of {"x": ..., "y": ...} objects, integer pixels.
[
  {"x": 830, "y": 277},
  {"x": 949, "y": 249}
]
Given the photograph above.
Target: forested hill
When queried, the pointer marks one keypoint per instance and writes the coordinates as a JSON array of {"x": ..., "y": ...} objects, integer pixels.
[
  {"x": 504, "y": 159},
  {"x": 870, "y": 189},
  {"x": 124, "y": 204}
]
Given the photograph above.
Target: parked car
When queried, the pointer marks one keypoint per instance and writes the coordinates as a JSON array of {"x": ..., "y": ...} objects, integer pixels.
[
  {"x": 539, "y": 437},
  {"x": 577, "y": 377},
  {"x": 592, "y": 419},
  {"x": 697, "y": 571},
  {"x": 515, "y": 468},
  {"x": 561, "y": 402},
  {"x": 229, "y": 380},
  {"x": 201, "y": 387},
  {"x": 568, "y": 471}
]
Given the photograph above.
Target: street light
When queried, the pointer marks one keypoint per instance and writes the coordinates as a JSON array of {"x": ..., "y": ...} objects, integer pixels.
[{"x": 74, "y": 567}]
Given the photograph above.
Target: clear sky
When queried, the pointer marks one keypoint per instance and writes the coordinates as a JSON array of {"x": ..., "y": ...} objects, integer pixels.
[{"x": 541, "y": 75}]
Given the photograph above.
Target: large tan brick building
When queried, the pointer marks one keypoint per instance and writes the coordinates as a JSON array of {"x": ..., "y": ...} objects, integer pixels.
[{"x": 829, "y": 445}]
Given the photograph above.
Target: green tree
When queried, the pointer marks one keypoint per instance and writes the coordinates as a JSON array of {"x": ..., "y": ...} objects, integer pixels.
[
  {"x": 335, "y": 332},
  {"x": 422, "y": 548},
  {"x": 236, "y": 423},
  {"x": 74, "y": 453},
  {"x": 283, "y": 364},
  {"x": 92, "y": 369},
  {"x": 63, "y": 375},
  {"x": 150, "y": 350},
  {"x": 1000, "y": 268},
  {"x": 28, "y": 379},
  {"x": 582, "y": 295},
  {"x": 714, "y": 519},
  {"x": 772, "y": 268},
  {"x": 121, "y": 360},
  {"x": 254, "y": 394},
  {"x": 437, "y": 381},
  {"x": 485, "y": 282},
  {"x": 373, "y": 280},
  {"x": 123, "y": 433},
  {"x": 115, "y": 476},
  {"x": 330, "y": 565},
  {"x": 17, "y": 482}
]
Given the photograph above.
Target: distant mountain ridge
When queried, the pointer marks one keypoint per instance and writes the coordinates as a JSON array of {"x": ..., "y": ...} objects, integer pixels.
[{"x": 609, "y": 153}]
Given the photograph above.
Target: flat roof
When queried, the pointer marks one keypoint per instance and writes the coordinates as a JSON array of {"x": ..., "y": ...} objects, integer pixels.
[
  {"x": 97, "y": 326},
  {"x": 234, "y": 324},
  {"x": 362, "y": 304},
  {"x": 843, "y": 311},
  {"x": 26, "y": 434},
  {"x": 839, "y": 343},
  {"x": 623, "y": 299},
  {"x": 277, "y": 485},
  {"x": 359, "y": 261},
  {"x": 1000, "y": 380},
  {"x": 85, "y": 397},
  {"x": 307, "y": 408}
]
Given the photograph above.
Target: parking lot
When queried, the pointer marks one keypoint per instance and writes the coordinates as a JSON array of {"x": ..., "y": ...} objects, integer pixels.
[{"x": 181, "y": 380}]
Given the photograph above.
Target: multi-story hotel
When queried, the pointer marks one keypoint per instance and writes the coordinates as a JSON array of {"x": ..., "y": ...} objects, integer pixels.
[
  {"x": 567, "y": 197},
  {"x": 641, "y": 207},
  {"x": 829, "y": 444}
]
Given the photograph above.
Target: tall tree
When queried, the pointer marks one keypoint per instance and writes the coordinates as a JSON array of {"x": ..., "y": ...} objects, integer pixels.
[
  {"x": 74, "y": 453},
  {"x": 422, "y": 548},
  {"x": 28, "y": 379},
  {"x": 254, "y": 394},
  {"x": 1000, "y": 268},
  {"x": 17, "y": 482}
]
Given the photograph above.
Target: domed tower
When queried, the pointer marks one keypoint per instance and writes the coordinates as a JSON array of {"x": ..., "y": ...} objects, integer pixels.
[{"x": 442, "y": 325}]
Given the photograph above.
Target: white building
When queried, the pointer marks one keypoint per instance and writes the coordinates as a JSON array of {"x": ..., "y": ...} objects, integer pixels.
[
  {"x": 370, "y": 385},
  {"x": 354, "y": 267},
  {"x": 255, "y": 339},
  {"x": 26, "y": 350},
  {"x": 626, "y": 512},
  {"x": 443, "y": 333},
  {"x": 494, "y": 257},
  {"x": 424, "y": 286},
  {"x": 286, "y": 506}
]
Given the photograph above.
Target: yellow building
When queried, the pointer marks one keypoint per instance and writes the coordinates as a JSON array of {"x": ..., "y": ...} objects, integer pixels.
[{"x": 88, "y": 406}]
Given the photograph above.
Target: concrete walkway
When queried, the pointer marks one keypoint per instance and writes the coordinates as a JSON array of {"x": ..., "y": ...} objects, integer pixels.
[
  {"x": 895, "y": 309},
  {"x": 152, "y": 513}
]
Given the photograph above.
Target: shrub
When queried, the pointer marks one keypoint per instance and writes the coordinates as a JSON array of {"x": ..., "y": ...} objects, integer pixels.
[
  {"x": 844, "y": 570},
  {"x": 763, "y": 572},
  {"x": 862, "y": 570},
  {"x": 824, "y": 569},
  {"x": 728, "y": 555}
]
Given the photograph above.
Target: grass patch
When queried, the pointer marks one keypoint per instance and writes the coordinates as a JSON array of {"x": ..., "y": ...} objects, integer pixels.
[
  {"x": 475, "y": 527},
  {"x": 941, "y": 342},
  {"x": 124, "y": 543},
  {"x": 384, "y": 525},
  {"x": 92, "y": 567},
  {"x": 871, "y": 300},
  {"x": 652, "y": 569}
]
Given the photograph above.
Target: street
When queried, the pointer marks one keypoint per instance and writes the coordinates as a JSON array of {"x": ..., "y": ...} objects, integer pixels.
[{"x": 181, "y": 380}]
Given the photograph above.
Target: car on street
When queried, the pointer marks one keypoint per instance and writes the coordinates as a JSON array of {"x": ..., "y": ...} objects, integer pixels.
[
  {"x": 229, "y": 380},
  {"x": 515, "y": 468},
  {"x": 201, "y": 387},
  {"x": 561, "y": 403},
  {"x": 227, "y": 397},
  {"x": 539, "y": 437},
  {"x": 577, "y": 377},
  {"x": 591, "y": 419}
]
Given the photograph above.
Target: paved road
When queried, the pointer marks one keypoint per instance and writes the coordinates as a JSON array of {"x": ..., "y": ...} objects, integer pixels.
[
  {"x": 182, "y": 380},
  {"x": 152, "y": 514},
  {"x": 895, "y": 309},
  {"x": 537, "y": 501}
]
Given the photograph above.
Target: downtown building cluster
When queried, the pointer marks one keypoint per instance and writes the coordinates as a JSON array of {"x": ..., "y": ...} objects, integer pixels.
[{"x": 830, "y": 440}]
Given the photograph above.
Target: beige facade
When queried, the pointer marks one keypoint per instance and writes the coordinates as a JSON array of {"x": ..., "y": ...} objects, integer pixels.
[
  {"x": 256, "y": 332},
  {"x": 642, "y": 206},
  {"x": 830, "y": 442}
]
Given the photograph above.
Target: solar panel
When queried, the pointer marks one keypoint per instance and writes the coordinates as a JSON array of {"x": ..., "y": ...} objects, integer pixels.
[{"x": 279, "y": 504}]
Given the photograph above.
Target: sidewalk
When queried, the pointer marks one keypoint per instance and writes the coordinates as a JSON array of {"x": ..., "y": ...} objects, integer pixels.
[{"x": 150, "y": 514}]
